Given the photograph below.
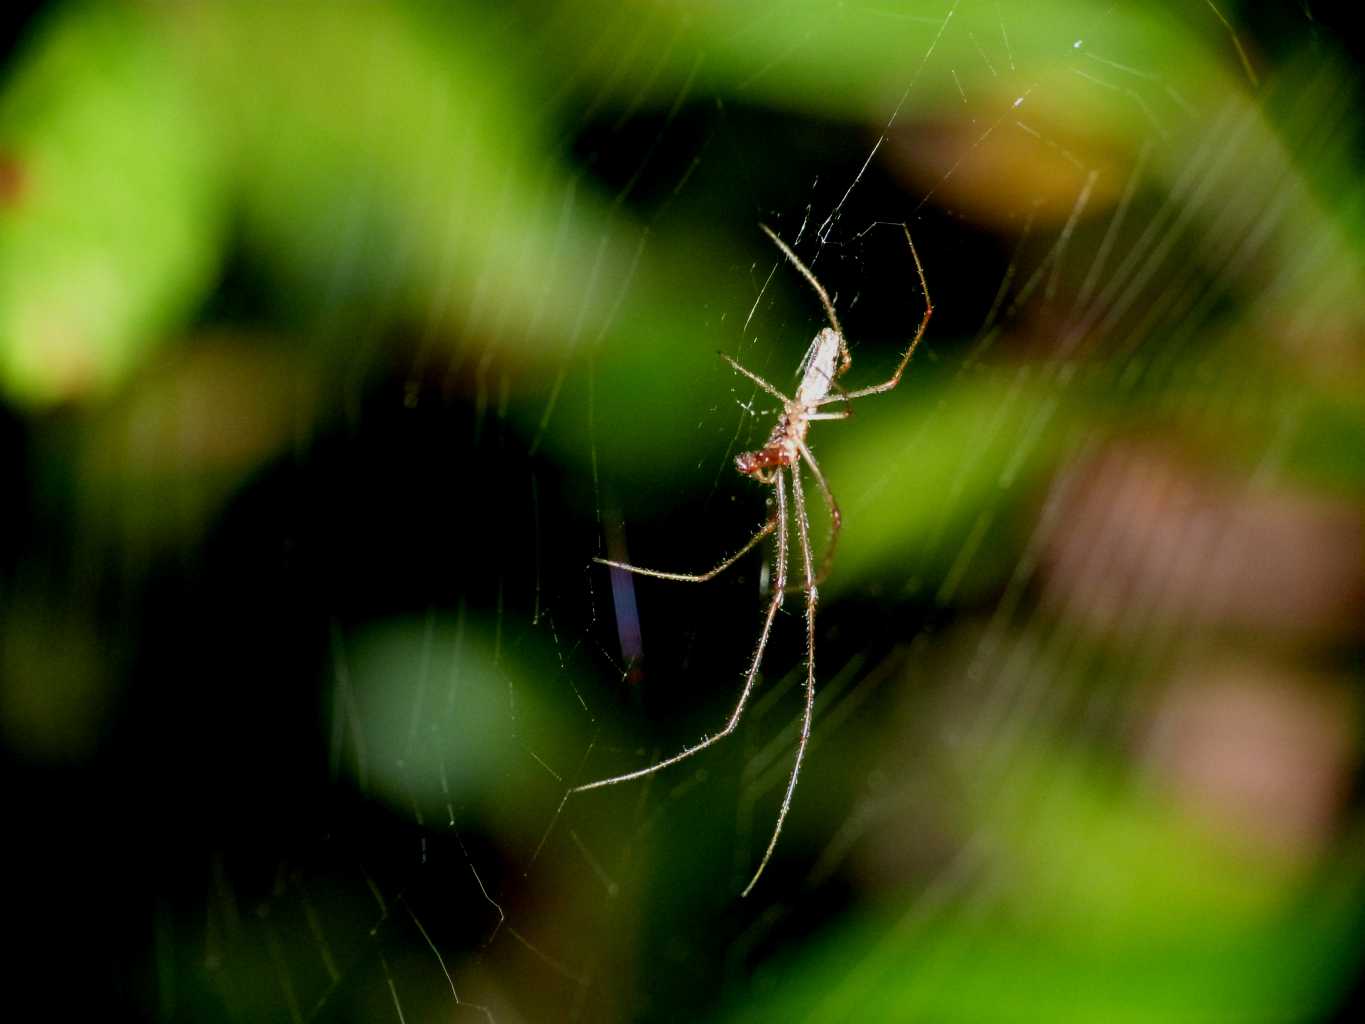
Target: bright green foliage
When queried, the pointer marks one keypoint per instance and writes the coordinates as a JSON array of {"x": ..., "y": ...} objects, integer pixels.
[
  {"x": 111, "y": 222},
  {"x": 1089, "y": 900}
]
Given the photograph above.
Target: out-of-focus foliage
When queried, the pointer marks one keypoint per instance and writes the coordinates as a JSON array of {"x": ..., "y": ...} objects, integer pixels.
[
  {"x": 111, "y": 219},
  {"x": 354, "y": 331},
  {"x": 1109, "y": 903}
]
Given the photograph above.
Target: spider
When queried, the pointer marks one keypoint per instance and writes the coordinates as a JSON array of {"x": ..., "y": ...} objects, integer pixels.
[{"x": 825, "y": 361}]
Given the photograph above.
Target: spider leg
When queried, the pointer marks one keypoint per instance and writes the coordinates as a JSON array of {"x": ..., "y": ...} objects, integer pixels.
[
  {"x": 819, "y": 288},
  {"x": 687, "y": 577},
  {"x": 895, "y": 378},
  {"x": 812, "y": 595},
  {"x": 756, "y": 379},
  {"x": 775, "y": 602},
  {"x": 836, "y": 519}
]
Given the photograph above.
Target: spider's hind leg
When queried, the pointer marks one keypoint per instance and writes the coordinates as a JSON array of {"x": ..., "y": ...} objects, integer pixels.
[
  {"x": 702, "y": 577},
  {"x": 778, "y": 523}
]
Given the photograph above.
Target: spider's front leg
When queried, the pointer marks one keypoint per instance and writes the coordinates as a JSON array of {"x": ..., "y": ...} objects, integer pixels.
[
  {"x": 895, "y": 378},
  {"x": 755, "y": 378}
]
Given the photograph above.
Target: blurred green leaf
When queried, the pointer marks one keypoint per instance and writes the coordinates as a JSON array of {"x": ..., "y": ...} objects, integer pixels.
[
  {"x": 856, "y": 60},
  {"x": 1084, "y": 900},
  {"x": 987, "y": 967},
  {"x": 930, "y": 482},
  {"x": 392, "y": 168},
  {"x": 435, "y": 712},
  {"x": 111, "y": 225}
]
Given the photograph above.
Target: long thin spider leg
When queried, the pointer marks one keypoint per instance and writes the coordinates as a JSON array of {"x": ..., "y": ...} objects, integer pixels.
[
  {"x": 687, "y": 577},
  {"x": 756, "y": 379},
  {"x": 887, "y": 385},
  {"x": 775, "y": 602},
  {"x": 836, "y": 519},
  {"x": 805, "y": 272},
  {"x": 812, "y": 595}
]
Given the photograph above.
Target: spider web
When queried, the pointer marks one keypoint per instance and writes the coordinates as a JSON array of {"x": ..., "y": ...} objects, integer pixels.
[{"x": 1084, "y": 673}]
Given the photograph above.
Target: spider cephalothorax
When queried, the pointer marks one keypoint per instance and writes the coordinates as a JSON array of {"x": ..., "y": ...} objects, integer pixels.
[{"x": 783, "y": 449}]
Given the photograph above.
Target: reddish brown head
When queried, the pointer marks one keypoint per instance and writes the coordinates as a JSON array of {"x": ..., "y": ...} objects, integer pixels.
[{"x": 760, "y": 464}]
